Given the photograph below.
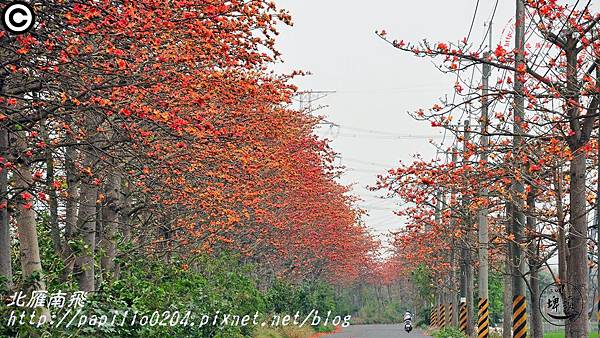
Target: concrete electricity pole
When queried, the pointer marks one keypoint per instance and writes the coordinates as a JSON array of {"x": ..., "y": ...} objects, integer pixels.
[
  {"x": 482, "y": 214},
  {"x": 518, "y": 217},
  {"x": 466, "y": 251}
]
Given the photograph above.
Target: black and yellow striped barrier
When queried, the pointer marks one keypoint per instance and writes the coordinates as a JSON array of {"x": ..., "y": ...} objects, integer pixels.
[
  {"x": 450, "y": 314},
  {"x": 483, "y": 318},
  {"x": 519, "y": 317},
  {"x": 462, "y": 318},
  {"x": 442, "y": 315},
  {"x": 433, "y": 316}
]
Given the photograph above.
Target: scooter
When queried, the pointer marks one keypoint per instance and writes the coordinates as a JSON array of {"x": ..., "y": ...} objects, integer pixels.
[{"x": 408, "y": 325}]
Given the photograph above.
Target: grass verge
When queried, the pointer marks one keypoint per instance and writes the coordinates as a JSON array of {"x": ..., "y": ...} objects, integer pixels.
[{"x": 561, "y": 334}]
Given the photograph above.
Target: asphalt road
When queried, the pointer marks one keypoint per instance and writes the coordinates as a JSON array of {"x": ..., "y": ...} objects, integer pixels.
[{"x": 376, "y": 331}]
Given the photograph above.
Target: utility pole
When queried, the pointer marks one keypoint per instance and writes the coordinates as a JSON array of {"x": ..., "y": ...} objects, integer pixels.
[
  {"x": 444, "y": 287},
  {"x": 454, "y": 295},
  {"x": 466, "y": 251},
  {"x": 482, "y": 214},
  {"x": 448, "y": 294},
  {"x": 507, "y": 279},
  {"x": 462, "y": 317},
  {"x": 518, "y": 217}
]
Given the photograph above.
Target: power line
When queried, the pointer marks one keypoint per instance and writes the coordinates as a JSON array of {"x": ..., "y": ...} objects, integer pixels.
[
  {"x": 473, "y": 20},
  {"x": 360, "y": 170},
  {"x": 390, "y": 138},
  {"x": 488, "y": 31},
  {"x": 365, "y": 162},
  {"x": 307, "y": 97},
  {"x": 389, "y": 90},
  {"x": 376, "y": 134}
]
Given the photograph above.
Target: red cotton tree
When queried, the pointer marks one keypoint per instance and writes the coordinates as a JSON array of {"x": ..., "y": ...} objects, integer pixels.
[{"x": 554, "y": 75}]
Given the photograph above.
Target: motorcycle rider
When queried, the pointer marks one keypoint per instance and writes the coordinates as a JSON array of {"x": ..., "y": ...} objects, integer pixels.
[{"x": 408, "y": 321}]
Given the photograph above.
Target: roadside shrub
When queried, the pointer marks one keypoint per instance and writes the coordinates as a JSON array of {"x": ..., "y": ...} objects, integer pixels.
[
  {"x": 287, "y": 298},
  {"x": 148, "y": 286},
  {"x": 449, "y": 332}
]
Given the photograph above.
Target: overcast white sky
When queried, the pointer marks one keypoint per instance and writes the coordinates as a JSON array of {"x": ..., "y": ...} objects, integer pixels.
[{"x": 375, "y": 84}]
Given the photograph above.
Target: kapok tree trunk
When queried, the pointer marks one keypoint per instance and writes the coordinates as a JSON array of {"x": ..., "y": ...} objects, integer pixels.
[
  {"x": 110, "y": 221},
  {"x": 87, "y": 230},
  {"x": 577, "y": 271},
  {"x": 561, "y": 241},
  {"x": 31, "y": 264},
  {"x": 537, "y": 329},
  {"x": 71, "y": 208},
  {"x": 5, "y": 261},
  {"x": 86, "y": 219},
  {"x": 52, "y": 196}
]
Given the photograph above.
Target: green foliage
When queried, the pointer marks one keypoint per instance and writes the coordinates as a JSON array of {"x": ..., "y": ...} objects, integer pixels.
[
  {"x": 151, "y": 286},
  {"x": 284, "y": 332},
  {"x": 344, "y": 304},
  {"x": 449, "y": 332},
  {"x": 287, "y": 298},
  {"x": 376, "y": 313},
  {"x": 211, "y": 285},
  {"x": 203, "y": 285},
  {"x": 222, "y": 285},
  {"x": 324, "y": 328},
  {"x": 496, "y": 294},
  {"x": 367, "y": 305},
  {"x": 561, "y": 334},
  {"x": 422, "y": 279},
  {"x": 423, "y": 318}
]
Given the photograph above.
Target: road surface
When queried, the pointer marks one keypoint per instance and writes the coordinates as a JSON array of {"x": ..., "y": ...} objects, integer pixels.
[{"x": 376, "y": 331}]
